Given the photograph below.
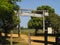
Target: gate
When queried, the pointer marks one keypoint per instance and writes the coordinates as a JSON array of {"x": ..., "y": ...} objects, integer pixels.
[
  {"x": 57, "y": 40},
  {"x": 46, "y": 42}
]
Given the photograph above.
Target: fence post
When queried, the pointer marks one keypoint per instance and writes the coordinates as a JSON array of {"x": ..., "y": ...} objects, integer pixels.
[
  {"x": 19, "y": 30},
  {"x": 46, "y": 37},
  {"x": 57, "y": 40},
  {"x": 29, "y": 39},
  {"x": 11, "y": 43}
]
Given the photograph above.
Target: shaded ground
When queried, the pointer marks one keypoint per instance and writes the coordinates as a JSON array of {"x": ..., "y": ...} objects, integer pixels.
[{"x": 16, "y": 40}]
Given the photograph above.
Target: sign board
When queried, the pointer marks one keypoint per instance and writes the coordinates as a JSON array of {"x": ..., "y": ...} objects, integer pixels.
[
  {"x": 30, "y": 14},
  {"x": 26, "y": 12},
  {"x": 50, "y": 31},
  {"x": 46, "y": 14}
]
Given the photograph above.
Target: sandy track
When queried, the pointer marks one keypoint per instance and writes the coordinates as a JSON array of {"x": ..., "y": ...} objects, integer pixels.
[
  {"x": 25, "y": 38},
  {"x": 52, "y": 39}
]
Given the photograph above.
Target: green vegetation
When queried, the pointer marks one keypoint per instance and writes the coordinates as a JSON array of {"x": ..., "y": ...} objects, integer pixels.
[
  {"x": 27, "y": 31},
  {"x": 9, "y": 21},
  {"x": 53, "y": 20},
  {"x": 8, "y": 17}
]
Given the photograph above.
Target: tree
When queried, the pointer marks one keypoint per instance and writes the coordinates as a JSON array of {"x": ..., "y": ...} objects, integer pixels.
[
  {"x": 35, "y": 23},
  {"x": 8, "y": 17},
  {"x": 59, "y": 24},
  {"x": 56, "y": 23},
  {"x": 51, "y": 20}
]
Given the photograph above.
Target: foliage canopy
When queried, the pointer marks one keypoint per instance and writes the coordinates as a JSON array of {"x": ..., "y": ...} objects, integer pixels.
[
  {"x": 8, "y": 17},
  {"x": 51, "y": 21}
]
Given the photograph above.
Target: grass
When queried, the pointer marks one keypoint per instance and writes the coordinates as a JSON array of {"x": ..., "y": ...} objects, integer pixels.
[{"x": 27, "y": 31}]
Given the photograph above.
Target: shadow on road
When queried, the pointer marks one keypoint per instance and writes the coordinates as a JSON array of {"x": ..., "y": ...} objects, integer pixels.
[
  {"x": 40, "y": 41},
  {"x": 6, "y": 42}
]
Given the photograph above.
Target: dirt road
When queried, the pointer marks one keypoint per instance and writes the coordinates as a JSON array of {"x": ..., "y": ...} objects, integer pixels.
[{"x": 25, "y": 38}]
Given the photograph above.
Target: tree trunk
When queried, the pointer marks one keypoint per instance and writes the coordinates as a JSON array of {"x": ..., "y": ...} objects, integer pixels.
[
  {"x": 36, "y": 31},
  {"x": 5, "y": 37},
  {"x": 0, "y": 37},
  {"x": 5, "y": 33}
]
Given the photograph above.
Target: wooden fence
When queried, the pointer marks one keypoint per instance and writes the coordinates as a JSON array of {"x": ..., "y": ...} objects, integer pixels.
[{"x": 46, "y": 42}]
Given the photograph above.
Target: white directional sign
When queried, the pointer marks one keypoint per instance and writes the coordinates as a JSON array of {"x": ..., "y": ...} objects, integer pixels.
[
  {"x": 29, "y": 13},
  {"x": 46, "y": 14},
  {"x": 50, "y": 31}
]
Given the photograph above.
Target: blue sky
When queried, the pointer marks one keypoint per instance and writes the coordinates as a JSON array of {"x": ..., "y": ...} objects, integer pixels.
[{"x": 33, "y": 4}]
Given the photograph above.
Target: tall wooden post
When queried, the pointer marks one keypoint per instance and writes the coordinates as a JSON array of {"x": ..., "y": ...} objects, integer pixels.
[
  {"x": 46, "y": 35},
  {"x": 43, "y": 21},
  {"x": 19, "y": 30},
  {"x": 57, "y": 40}
]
